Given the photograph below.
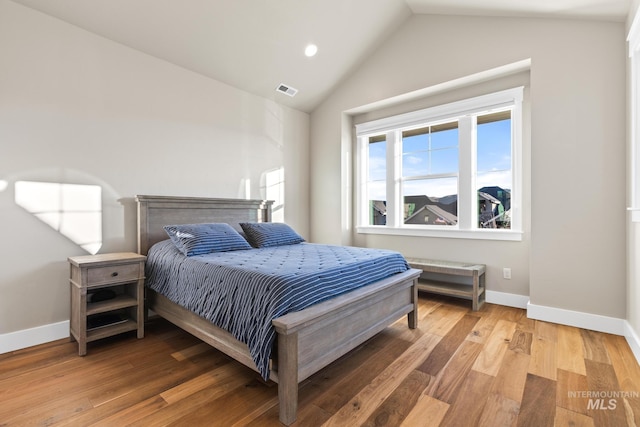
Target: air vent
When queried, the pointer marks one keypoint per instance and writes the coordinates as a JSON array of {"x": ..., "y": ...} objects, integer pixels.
[{"x": 287, "y": 90}]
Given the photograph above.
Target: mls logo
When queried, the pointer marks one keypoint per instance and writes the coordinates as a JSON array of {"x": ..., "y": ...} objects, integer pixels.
[{"x": 602, "y": 404}]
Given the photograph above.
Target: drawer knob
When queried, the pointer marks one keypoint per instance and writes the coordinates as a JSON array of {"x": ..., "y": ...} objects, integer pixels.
[{"x": 114, "y": 274}]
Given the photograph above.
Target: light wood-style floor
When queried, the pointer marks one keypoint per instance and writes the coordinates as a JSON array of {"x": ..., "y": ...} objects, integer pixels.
[{"x": 461, "y": 368}]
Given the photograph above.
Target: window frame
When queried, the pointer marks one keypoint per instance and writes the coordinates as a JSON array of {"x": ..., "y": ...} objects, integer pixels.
[
  {"x": 633, "y": 39},
  {"x": 462, "y": 111}
]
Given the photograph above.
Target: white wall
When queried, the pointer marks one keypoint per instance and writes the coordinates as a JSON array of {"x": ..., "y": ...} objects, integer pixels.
[
  {"x": 573, "y": 255},
  {"x": 77, "y": 108}
]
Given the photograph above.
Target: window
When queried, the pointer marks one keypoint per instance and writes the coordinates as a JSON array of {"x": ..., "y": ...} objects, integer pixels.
[
  {"x": 452, "y": 170},
  {"x": 430, "y": 173},
  {"x": 377, "y": 180},
  {"x": 494, "y": 180}
]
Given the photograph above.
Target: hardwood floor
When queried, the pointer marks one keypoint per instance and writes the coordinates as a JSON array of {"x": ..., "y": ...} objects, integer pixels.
[{"x": 494, "y": 367}]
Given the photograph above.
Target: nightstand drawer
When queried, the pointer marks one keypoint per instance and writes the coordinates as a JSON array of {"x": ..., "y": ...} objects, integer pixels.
[{"x": 113, "y": 273}]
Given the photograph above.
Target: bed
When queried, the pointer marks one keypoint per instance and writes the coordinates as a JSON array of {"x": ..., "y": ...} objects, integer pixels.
[{"x": 306, "y": 340}]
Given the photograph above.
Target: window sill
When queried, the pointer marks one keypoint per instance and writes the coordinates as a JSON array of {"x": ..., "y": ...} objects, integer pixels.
[{"x": 488, "y": 234}]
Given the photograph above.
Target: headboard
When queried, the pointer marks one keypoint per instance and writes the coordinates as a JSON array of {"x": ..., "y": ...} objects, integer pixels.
[{"x": 154, "y": 212}]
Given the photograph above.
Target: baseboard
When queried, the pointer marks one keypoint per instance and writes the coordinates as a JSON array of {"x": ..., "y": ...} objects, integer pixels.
[
  {"x": 594, "y": 322},
  {"x": 632, "y": 339},
  {"x": 509, "y": 300},
  {"x": 34, "y": 336},
  {"x": 55, "y": 331}
]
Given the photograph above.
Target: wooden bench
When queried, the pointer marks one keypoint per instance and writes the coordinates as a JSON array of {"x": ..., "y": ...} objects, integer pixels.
[{"x": 434, "y": 279}]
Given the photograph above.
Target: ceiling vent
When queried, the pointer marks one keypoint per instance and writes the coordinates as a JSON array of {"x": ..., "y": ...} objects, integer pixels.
[{"x": 287, "y": 90}]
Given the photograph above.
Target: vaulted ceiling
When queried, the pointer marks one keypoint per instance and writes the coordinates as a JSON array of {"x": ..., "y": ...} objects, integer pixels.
[{"x": 255, "y": 45}]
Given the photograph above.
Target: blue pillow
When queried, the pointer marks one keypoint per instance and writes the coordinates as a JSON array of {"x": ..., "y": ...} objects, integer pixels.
[
  {"x": 199, "y": 239},
  {"x": 265, "y": 234}
]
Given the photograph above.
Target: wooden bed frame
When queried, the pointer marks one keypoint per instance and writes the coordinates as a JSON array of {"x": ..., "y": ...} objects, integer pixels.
[{"x": 307, "y": 340}]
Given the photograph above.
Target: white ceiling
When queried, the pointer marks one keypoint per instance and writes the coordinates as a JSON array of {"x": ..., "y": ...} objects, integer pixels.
[{"x": 255, "y": 45}]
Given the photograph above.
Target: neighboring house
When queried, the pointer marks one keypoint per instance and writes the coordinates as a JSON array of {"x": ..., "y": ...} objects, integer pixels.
[
  {"x": 447, "y": 204},
  {"x": 379, "y": 212},
  {"x": 432, "y": 215},
  {"x": 443, "y": 210},
  {"x": 490, "y": 211},
  {"x": 504, "y": 196}
]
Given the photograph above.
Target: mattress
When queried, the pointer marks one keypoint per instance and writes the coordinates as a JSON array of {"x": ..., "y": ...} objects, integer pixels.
[{"x": 243, "y": 291}]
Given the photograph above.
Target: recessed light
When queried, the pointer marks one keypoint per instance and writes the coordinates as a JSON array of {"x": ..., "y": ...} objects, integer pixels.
[{"x": 310, "y": 50}]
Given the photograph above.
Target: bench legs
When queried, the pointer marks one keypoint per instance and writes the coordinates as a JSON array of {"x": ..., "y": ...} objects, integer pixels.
[{"x": 478, "y": 283}]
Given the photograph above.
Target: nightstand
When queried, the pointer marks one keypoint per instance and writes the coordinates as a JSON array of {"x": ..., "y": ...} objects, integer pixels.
[{"x": 107, "y": 296}]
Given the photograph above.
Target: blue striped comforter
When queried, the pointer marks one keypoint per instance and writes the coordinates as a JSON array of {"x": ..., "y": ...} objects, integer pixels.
[{"x": 242, "y": 291}]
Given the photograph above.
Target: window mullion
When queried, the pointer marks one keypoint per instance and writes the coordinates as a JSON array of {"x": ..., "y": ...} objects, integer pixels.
[
  {"x": 394, "y": 173},
  {"x": 362, "y": 208},
  {"x": 467, "y": 201}
]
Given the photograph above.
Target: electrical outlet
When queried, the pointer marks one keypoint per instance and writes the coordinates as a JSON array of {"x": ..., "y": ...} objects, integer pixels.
[{"x": 506, "y": 273}]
